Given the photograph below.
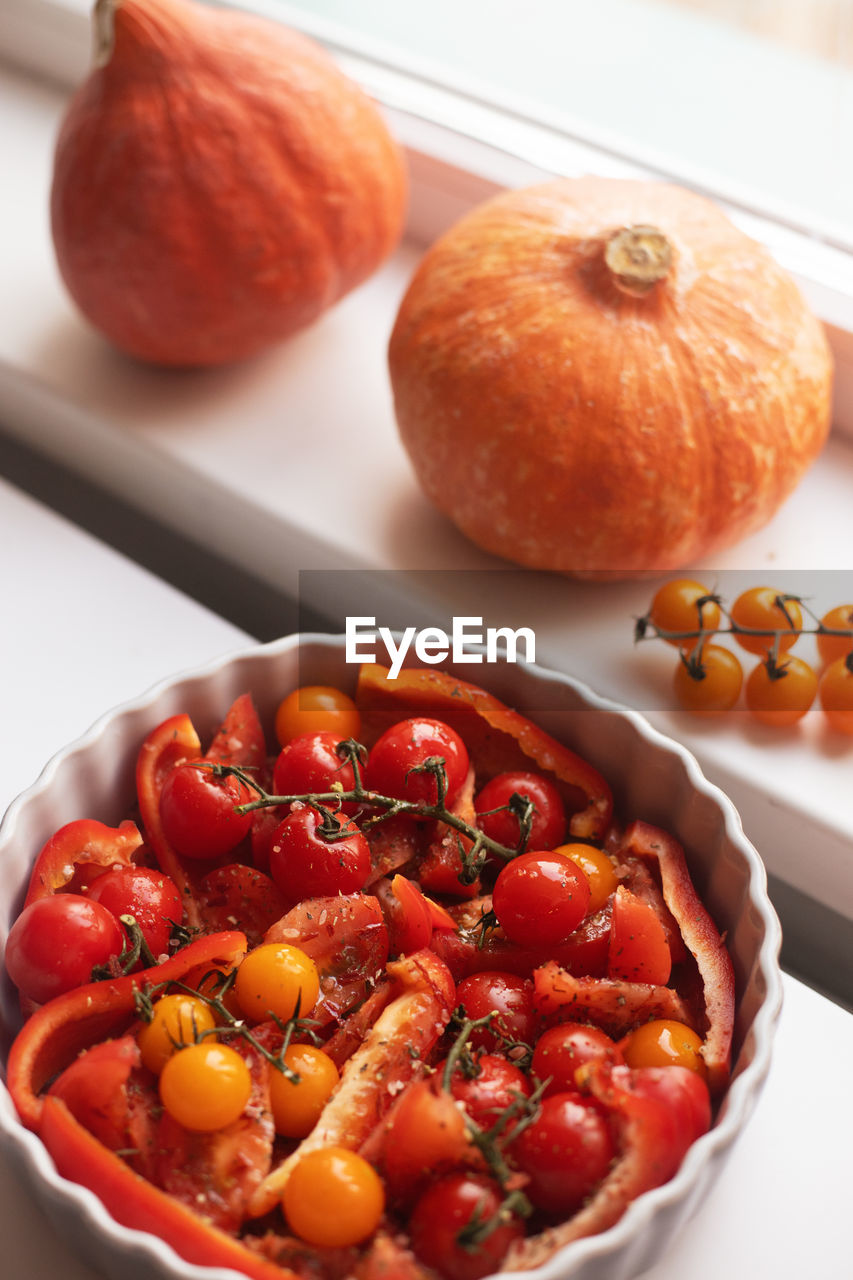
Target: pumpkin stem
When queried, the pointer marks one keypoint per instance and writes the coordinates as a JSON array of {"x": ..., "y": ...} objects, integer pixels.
[
  {"x": 637, "y": 258},
  {"x": 104, "y": 30}
]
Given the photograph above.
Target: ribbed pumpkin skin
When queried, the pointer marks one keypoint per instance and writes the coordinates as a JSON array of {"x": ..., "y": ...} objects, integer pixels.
[
  {"x": 218, "y": 183},
  {"x": 564, "y": 425}
]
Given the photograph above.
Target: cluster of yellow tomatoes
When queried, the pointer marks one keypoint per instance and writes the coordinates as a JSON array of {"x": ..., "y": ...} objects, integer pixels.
[{"x": 781, "y": 687}]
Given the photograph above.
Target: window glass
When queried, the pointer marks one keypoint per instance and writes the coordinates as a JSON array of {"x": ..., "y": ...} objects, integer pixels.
[{"x": 751, "y": 97}]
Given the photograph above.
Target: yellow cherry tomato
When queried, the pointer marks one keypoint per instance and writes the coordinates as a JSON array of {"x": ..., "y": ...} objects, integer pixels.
[
  {"x": 664, "y": 1043},
  {"x": 333, "y": 1198},
  {"x": 758, "y": 610},
  {"x": 277, "y": 979},
  {"x": 835, "y": 691},
  {"x": 783, "y": 698},
  {"x": 598, "y": 870},
  {"x": 831, "y": 648},
  {"x": 206, "y": 1086},
  {"x": 314, "y": 708},
  {"x": 296, "y": 1105},
  {"x": 716, "y": 684},
  {"x": 683, "y": 605},
  {"x": 177, "y": 1021}
]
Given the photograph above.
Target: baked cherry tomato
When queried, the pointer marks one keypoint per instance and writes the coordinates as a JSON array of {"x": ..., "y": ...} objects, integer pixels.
[
  {"x": 561, "y": 1051},
  {"x": 509, "y": 998},
  {"x": 296, "y": 1104},
  {"x": 711, "y": 685},
  {"x": 540, "y": 898},
  {"x": 783, "y": 697},
  {"x": 426, "y": 1135},
  {"x": 177, "y": 1021},
  {"x": 496, "y": 1085},
  {"x": 565, "y": 1151},
  {"x": 333, "y": 1198},
  {"x": 684, "y": 605},
  {"x": 316, "y": 708},
  {"x": 394, "y": 766},
  {"x": 548, "y": 827},
  {"x": 597, "y": 868},
  {"x": 197, "y": 811},
  {"x": 149, "y": 896},
  {"x": 835, "y": 691},
  {"x": 56, "y": 942},
  {"x": 276, "y": 979},
  {"x": 684, "y": 1093},
  {"x": 766, "y": 611},
  {"x": 237, "y": 896},
  {"x": 452, "y": 1231},
  {"x": 309, "y": 764},
  {"x": 831, "y": 648},
  {"x": 664, "y": 1042},
  {"x": 305, "y": 863},
  {"x": 206, "y": 1086}
]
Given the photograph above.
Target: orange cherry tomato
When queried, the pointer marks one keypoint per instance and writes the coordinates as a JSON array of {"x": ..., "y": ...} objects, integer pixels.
[
  {"x": 832, "y": 647},
  {"x": 296, "y": 1104},
  {"x": 177, "y": 1021},
  {"x": 206, "y": 1086},
  {"x": 333, "y": 1198},
  {"x": 782, "y": 698},
  {"x": 314, "y": 708},
  {"x": 683, "y": 605},
  {"x": 598, "y": 870},
  {"x": 764, "y": 610},
  {"x": 835, "y": 691},
  {"x": 664, "y": 1043},
  {"x": 277, "y": 979},
  {"x": 713, "y": 685}
]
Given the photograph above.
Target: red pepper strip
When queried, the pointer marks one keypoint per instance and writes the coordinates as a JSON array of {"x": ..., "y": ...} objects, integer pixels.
[
  {"x": 701, "y": 937},
  {"x": 75, "y": 845},
  {"x": 59, "y": 1030},
  {"x": 239, "y": 740},
  {"x": 390, "y": 1055},
  {"x": 171, "y": 743},
  {"x": 609, "y": 1003},
  {"x": 136, "y": 1203},
  {"x": 498, "y": 739},
  {"x": 651, "y": 1149}
]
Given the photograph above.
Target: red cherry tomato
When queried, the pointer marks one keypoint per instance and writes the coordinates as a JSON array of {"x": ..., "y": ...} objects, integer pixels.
[
  {"x": 486, "y": 1095},
  {"x": 510, "y": 999},
  {"x": 540, "y": 898},
  {"x": 685, "y": 1093},
  {"x": 309, "y": 764},
  {"x": 438, "y": 1222},
  {"x": 560, "y": 1051},
  {"x": 197, "y": 812},
  {"x": 565, "y": 1151},
  {"x": 55, "y": 943},
  {"x": 404, "y": 748},
  {"x": 304, "y": 864},
  {"x": 548, "y": 827},
  {"x": 149, "y": 896},
  {"x": 237, "y": 896}
]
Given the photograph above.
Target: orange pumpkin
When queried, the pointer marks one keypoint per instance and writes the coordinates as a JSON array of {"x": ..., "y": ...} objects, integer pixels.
[
  {"x": 218, "y": 183},
  {"x": 606, "y": 378}
]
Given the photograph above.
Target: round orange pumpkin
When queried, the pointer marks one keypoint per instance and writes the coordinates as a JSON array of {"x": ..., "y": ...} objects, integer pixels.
[
  {"x": 606, "y": 378},
  {"x": 218, "y": 183}
]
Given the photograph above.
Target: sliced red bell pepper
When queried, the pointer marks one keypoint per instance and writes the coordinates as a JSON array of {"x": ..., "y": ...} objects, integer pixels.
[
  {"x": 665, "y": 855},
  {"x": 172, "y": 743},
  {"x": 498, "y": 738},
  {"x": 610, "y": 1003},
  {"x": 77, "y": 845},
  {"x": 136, "y": 1203},
  {"x": 59, "y": 1030}
]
